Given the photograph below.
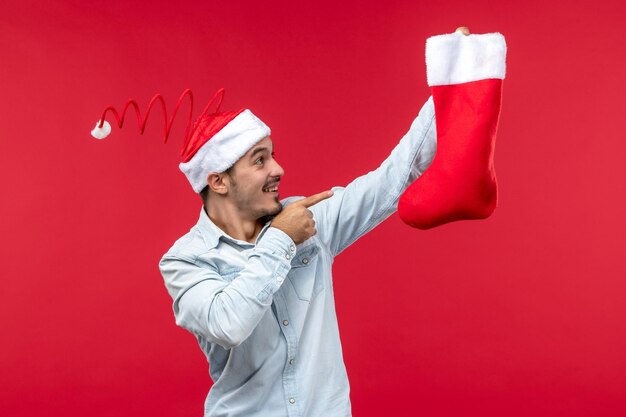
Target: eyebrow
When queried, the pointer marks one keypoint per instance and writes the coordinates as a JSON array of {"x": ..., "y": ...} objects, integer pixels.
[{"x": 259, "y": 150}]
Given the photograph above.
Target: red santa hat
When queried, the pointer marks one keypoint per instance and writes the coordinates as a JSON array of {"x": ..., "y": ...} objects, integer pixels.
[{"x": 216, "y": 141}]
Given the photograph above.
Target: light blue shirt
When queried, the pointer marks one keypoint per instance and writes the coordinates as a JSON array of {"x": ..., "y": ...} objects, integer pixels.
[{"x": 264, "y": 313}]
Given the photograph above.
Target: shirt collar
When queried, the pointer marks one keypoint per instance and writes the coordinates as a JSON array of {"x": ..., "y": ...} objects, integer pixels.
[{"x": 212, "y": 234}]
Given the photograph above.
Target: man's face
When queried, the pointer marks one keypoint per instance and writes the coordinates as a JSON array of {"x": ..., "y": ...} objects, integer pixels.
[{"x": 253, "y": 182}]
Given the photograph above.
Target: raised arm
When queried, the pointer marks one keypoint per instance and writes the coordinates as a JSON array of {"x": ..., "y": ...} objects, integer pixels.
[{"x": 368, "y": 200}]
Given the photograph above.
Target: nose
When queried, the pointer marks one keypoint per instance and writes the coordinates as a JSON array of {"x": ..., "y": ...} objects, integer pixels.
[{"x": 277, "y": 170}]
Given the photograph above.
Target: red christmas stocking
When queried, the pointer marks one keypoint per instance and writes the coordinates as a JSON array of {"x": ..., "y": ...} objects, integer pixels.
[{"x": 465, "y": 75}]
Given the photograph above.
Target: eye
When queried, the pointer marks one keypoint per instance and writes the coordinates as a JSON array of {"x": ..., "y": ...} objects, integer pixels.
[{"x": 259, "y": 161}]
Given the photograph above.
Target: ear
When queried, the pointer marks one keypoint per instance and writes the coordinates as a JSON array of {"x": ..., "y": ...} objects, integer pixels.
[{"x": 218, "y": 183}]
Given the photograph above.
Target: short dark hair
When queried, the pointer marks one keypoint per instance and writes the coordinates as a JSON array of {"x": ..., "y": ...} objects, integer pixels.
[{"x": 204, "y": 194}]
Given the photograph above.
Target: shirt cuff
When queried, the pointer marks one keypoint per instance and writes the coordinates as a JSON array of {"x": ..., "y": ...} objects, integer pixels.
[
  {"x": 279, "y": 249},
  {"x": 278, "y": 242}
]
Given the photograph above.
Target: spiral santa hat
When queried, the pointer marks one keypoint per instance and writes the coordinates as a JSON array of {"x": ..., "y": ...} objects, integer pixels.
[{"x": 214, "y": 143}]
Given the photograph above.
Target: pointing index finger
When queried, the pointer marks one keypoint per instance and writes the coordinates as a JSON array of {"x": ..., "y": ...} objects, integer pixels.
[{"x": 314, "y": 199}]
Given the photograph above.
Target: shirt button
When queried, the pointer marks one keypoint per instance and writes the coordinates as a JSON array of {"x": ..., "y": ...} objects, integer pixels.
[
  {"x": 305, "y": 261},
  {"x": 286, "y": 322},
  {"x": 288, "y": 256},
  {"x": 292, "y": 401},
  {"x": 292, "y": 248},
  {"x": 291, "y": 361}
]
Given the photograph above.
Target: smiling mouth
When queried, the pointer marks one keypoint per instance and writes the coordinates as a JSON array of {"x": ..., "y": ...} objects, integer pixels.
[{"x": 271, "y": 189}]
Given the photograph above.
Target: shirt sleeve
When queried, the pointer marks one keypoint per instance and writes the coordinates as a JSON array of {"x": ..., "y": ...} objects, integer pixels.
[
  {"x": 368, "y": 200},
  {"x": 227, "y": 311}
]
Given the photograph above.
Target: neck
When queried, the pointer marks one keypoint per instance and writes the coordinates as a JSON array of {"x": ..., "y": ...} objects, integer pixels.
[{"x": 233, "y": 224}]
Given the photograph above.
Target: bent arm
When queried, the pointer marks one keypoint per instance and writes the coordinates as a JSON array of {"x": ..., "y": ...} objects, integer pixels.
[
  {"x": 371, "y": 198},
  {"x": 226, "y": 312}
]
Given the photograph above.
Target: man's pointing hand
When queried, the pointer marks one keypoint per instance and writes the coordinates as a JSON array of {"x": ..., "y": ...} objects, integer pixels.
[{"x": 296, "y": 220}]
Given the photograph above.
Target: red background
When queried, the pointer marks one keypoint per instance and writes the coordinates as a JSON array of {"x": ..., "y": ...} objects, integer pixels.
[{"x": 523, "y": 314}]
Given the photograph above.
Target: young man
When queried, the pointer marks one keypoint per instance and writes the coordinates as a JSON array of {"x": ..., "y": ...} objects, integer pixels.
[
  {"x": 257, "y": 291},
  {"x": 252, "y": 279}
]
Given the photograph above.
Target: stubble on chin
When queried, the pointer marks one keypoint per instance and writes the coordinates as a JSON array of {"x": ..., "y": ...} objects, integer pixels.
[
  {"x": 279, "y": 208},
  {"x": 268, "y": 217}
]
